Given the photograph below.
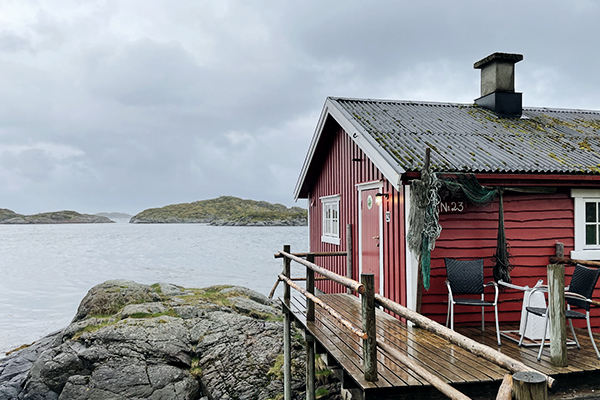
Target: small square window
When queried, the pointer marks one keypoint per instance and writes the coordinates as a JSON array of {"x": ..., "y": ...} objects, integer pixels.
[{"x": 331, "y": 220}]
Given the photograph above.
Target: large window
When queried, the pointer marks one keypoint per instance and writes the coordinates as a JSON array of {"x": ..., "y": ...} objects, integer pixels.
[
  {"x": 331, "y": 219},
  {"x": 587, "y": 224}
]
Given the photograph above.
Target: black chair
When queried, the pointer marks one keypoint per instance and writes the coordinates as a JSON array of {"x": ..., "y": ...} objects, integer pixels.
[
  {"x": 466, "y": 277},
  {"x": 577, "y": 294}
]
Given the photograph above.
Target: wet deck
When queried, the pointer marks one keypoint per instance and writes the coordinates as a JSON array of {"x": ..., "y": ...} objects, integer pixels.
[{"x": 470, "y": 374}]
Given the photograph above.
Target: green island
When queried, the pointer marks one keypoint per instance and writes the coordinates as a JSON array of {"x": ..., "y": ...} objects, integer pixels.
[
  {"x": 225, "y": 211},
  {"x": 10, "y": 217}
]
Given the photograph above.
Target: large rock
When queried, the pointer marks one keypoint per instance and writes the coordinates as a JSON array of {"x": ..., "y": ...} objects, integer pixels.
[
  {"x": 111, "y": 296},
  {"x": 133, "y": 341}
]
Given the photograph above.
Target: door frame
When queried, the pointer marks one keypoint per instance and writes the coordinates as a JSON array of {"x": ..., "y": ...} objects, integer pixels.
[{"x": 361, "y": 187}]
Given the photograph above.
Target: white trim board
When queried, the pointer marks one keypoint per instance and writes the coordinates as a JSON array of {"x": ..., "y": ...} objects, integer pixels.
[{"x": 370, "y": 186}]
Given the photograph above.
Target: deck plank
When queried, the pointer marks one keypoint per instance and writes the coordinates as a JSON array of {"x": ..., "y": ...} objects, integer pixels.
[
  {"x": 352, "y": 348},
  {"x": 336, "y": 347},
  {"x": 449, "y": 362}
]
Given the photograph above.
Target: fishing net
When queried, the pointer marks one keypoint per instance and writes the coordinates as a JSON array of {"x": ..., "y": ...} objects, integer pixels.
[
  {"x": 423, "y": 220},
  {"x": 424, "y": 227}
]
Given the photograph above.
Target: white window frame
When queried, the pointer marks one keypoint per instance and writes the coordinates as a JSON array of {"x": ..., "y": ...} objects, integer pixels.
[
  {"x": 333, "y": 235},
  {"x": 584, "y": 251}
]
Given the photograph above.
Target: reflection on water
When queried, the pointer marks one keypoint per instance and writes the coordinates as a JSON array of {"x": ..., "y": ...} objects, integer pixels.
[{"x": 45, "y": 270}]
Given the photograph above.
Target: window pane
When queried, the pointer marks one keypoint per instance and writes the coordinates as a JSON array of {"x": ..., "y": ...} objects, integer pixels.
[
  {"x": 328, "y": 227},
  {"x": 335, "y": 227},
  {"x": 590, "y": 234},
  {"x": 590, "y": 212}
]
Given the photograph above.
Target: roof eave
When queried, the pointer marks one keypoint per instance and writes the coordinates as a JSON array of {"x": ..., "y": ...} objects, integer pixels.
[
  {"x": 382, "y": 160},
  {"x": 389, "y": 168}
]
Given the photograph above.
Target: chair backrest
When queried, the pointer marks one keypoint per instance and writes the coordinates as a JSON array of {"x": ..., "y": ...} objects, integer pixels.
[
  {"x": 583, "y": 282},
  {"x": 465, "y": 276}
]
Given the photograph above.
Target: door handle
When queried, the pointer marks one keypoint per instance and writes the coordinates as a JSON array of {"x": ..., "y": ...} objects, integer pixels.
[{"x": 375, "y": 237}]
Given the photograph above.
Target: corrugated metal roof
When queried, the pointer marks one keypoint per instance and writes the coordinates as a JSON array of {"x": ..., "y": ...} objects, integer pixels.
[{"x": 465, "y": 137}]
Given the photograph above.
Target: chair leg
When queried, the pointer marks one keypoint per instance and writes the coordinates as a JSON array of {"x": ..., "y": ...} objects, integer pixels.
[
  {"x": 482, "y": 316},
  {"x": 591, "y": 335},
  {"x": 573, "y": 332},
  {"x": 482, "y": 320},
  {"x": 543, "y": 337},
  {"x": 448, "y": 312},
  {"x": 524, "y": 328},
  {"x": 497, "y": 325}
]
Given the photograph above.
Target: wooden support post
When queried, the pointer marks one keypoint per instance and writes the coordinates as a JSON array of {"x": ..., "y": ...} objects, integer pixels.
[
  {"x": 349, "y": 254},
  {"x": 310, "y": 288},
  {"x": 287, "y": 356},
  {"x": 530, "y": 386},
  {"x": 560, "y": 250},
  {"x": 556, "y": 314},
  {"x": 286, "y": 271},
  {"x": 310, "y": 366},
  {"x": 368, "y": 319},
  {"x": 287, "y": 340}
]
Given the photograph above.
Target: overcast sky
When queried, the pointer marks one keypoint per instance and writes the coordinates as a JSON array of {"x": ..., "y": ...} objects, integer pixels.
[{"x": 126, "y": 105}]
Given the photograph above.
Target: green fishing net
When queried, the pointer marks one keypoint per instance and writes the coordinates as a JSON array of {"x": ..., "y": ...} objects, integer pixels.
[{"x": 424, "y": 227}]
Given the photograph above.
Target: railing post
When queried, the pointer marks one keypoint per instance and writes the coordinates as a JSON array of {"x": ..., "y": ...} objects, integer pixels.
[
  {"x": 529, "y": 386},
  {"x": 287, "y": 343},
  {"x": 349, "y": 254},
  {"x": 310, "y": 341},
  {"x": 286, "y": 271},
  {"x": 310, "y": 366},
  {"x": 556, "y": 315},
  {"x": 368, "y": 320},
  {"x": 310, "y": 288}
]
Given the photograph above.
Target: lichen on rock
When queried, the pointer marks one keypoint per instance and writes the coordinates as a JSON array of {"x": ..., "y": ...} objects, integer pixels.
[{"x": 134, "y": 341}]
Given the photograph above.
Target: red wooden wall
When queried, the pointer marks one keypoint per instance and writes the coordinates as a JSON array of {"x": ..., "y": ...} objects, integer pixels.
[
  {"x": 339, "y": 174},
  {"x": 533, "y": 225}
]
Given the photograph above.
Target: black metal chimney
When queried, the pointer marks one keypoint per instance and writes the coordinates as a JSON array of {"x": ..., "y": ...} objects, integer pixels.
[{"x": 498, "y": 84}]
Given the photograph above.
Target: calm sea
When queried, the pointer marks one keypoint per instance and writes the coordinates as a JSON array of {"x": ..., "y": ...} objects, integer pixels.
[{"x": 45, "y": 270}]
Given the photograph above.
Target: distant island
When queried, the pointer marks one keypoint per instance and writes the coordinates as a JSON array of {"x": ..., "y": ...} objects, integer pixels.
[
  {"x": 10, "y": 217},
  {"x": 225, "y": 211}
]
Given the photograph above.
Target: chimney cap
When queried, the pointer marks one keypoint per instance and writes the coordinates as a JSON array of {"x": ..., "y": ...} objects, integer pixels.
[{"x": 502, "y": 57}]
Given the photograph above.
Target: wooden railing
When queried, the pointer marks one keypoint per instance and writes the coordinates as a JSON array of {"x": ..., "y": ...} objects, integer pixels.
[{"x": 368, "y": 332}]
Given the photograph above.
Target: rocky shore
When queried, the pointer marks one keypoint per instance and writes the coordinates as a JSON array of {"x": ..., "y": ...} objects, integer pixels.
[
  {"x": 9, "y": 217},
  {"x": 225, "y": 211},
  {"x": 134, "y": 341},
  {"x": 219, "y": 222}
]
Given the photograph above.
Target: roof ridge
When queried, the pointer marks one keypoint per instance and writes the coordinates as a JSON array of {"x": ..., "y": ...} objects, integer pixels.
[
  {"x": 450, "y": 104},
  {"x": 436, "y": 103}
]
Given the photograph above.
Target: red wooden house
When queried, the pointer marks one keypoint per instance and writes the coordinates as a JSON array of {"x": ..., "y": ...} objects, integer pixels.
[{"x": 365, "y": 153}]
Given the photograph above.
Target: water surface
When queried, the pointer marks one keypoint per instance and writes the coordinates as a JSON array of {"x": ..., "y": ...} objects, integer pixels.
[{"x": 45, "y": 270}]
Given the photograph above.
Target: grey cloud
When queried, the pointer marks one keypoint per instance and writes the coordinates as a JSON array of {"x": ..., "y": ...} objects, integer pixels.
[
  {"x": 29, "y": 164},
  {"x": 11, "y": 43},
  {"x": 146, "y": 73},
  {"x": 173, "y": 102}
]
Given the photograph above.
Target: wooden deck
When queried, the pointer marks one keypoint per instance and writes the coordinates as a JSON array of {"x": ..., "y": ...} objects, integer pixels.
[{"x": 469, "y": 373}]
